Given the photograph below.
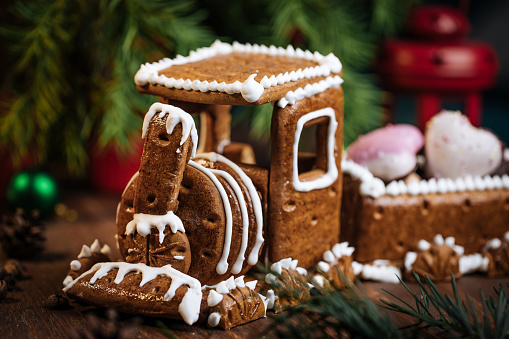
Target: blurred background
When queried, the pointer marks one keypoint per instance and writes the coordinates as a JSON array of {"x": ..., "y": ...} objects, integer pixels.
[{"x": 69, "y": 105}]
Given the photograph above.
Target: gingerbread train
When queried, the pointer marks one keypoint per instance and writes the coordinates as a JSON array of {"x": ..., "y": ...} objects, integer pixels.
[{"x": 199, "y": 213}]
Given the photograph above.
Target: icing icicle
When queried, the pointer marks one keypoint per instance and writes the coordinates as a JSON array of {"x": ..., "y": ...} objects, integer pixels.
[{"x": 143, "y": 223}]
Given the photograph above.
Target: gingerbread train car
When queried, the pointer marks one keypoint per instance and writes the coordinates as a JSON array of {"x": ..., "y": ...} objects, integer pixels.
[{"x": 199, "y": 213}]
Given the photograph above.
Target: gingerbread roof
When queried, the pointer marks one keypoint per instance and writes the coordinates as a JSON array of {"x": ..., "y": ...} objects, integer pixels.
[{"x": 240, "y": 74}]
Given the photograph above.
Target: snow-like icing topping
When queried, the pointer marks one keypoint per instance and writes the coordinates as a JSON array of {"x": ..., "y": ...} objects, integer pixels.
[
  {"x": 318, "y": 280},
  {"x": 175, "y": 116},
  {"x": 213, "y": 319},
  {"x": 214, "y": 298},
  {"x": 309, "y": 90},
  {"x": 342, "y": 249},
  {"x": 384, "y": 273},
  {"x": 374, "y": 187},
  {"x": 189, "y": 308},
  {"x": 255, "y": 199},
  {"x": 409, "y": 261},
  {"x": 106, "y": 250},
  {"x": 85, "y": 252},
  {"x": 252, "y": 284},
  {"x": 222, "y": 265},
  {"x": 96, "y": 246},
  {"x": 357, "y": 268},
  {"x": 67, "y": 280},
  {"x": 75, "y": 265},
  {"x": 473, "y": 263},
  {"x": 143, "y": 223},
  {"x": 271, "y": 298},
  {"x": 332, "y": 171},
  {"x": 277, "y": 267},
  {"x": 250, "y": 89},
  {"x": 323, "y": 266},
  {"x": 493, "y": 244}
]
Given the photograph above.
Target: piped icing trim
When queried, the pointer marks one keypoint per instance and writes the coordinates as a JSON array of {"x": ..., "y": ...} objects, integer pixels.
[
  {"x": 375, "y": 187},
  {"x": 250, "y": 89},
  {"x": 175, "y": 116},
  {"x": 237, "y": 266},
  {"x": 189, "y": 308},
  {"x": 255, "y": 199},
  {"x": 379, "y": 270},
  {"x": 222, "y": 265},
  {"x": 143, "y": 223},
  {"x": 332, "y": 172},
  {"x": 309, "y": 90},
  {"x": 277, "y": 267}
]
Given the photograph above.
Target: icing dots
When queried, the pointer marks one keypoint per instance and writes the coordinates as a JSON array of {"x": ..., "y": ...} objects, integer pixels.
[{"x": 251, "y": 90}]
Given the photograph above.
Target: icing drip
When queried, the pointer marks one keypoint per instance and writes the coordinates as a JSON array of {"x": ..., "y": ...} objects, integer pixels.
[
  {"x": 175, "y": 116},
  {"x": 189, "y": 308},
  {"x": 255, "y": 199},
  {"x": 237, "y": 266},
  {"x": 332, "y": 172},
  {"x": 222, "y": 265},
  {"x": 143, "y": 223},
  {"x": 250, "y": 89},
  {"x": 214, "y": 298}
]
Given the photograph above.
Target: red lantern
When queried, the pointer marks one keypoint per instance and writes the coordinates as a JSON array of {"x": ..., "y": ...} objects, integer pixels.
[{"x": 438, "y": 63}]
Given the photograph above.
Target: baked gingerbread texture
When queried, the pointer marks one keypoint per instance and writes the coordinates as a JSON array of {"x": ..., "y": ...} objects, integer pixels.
[{"x": 199, "y": 213}]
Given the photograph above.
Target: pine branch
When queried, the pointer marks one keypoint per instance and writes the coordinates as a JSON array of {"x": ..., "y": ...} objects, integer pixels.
[{"x": 456, "y": 316}]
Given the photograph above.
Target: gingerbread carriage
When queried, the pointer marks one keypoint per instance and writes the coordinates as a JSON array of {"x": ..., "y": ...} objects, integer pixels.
[{"x": 202, "y": 219}]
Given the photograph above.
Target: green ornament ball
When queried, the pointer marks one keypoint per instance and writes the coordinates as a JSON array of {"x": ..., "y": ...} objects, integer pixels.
[{"x": 33, "y": 190}]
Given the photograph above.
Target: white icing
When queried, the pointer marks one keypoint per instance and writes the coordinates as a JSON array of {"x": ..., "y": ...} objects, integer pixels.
[
  {"x": 381, "y": 273},
  {"x": 143, "y": 223},
  {"x": 309, "y": 90},
  {"x": 214, "y": 298},
  {"x": 255, "y": 199},
  {"x": 222, "y": 265},
  {"x": 357, "y": 268},
  {"x": 250, "y": 89},
  {"x": 473, "y": 263},
  {"x": 239, "y": 282},
  {"x": 493, "y": 244},
  {"x": 75, "y": 265},
  {"x": 302, "y": 271},
  {"x": 506, "y": 154},
  {"x": 213, "y": 319},
  {"x": 423, "y": 245},
  {"x": 329, "y": 257},
  {"x": 178, "y": 257},
  {"x": 252, "y": 284},
  {"x": 189, "y": 307},
  {"x": 271, "y": 298},
  {"x": 374, "y": 187},
  {"x": 67, "y": 280},
  {"x": 318, "y": 280},
  {"x": 438, "y": 239},
  {"x": 237, "y": 266},
  {"x": 264, "y": 300},
  {"x": 323, "y": 266},
  {"x": 95, "y": 247},
  {"x": 332, "y": 171},
  {"x": 175, "y": 116},
  {"x": 342, "y": 249},
  {"x": 270, "y": 279},
  {"x": 106, "y": 250},
  {"x": 409, "y": 261},
  {"x": 85, "y": 252}
]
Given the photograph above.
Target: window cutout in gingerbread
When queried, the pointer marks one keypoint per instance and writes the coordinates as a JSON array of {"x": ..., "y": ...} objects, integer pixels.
[{"x": 325, "y": 172}]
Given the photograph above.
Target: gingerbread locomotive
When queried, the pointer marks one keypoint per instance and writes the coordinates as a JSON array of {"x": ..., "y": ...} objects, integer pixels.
[{"x": 199, "y": 213}]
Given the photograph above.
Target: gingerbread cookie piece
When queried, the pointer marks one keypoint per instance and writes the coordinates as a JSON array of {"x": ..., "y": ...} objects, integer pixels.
[
  {"x": 437, "y": 260},
  {"x": 235, "y": 74},
  {"x": 497, "y": 252},
  {"x": 336, "y": 267},
  {"x": 88, "y": 257},
  {"x": 233, "y": 303},
  {"x": 287, "y": 287},
  {"x": 139, "y": 289}
]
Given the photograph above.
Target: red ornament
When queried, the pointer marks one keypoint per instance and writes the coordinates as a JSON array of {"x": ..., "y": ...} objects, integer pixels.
[{"x": 438, "y": 63}]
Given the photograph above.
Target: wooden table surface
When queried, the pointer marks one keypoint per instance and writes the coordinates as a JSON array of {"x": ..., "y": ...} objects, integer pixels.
[{"x": 23, "y": 315}]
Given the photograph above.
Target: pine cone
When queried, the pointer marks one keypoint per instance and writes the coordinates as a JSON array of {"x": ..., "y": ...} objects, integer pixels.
[{"x": 21, "y": 237}]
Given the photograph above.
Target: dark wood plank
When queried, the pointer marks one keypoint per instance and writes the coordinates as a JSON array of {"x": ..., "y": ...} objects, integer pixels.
[{"x": 23, "y": 315}]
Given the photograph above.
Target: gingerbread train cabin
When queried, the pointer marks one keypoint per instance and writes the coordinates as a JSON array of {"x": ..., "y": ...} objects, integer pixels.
[{"x": 199, "y": 213}]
